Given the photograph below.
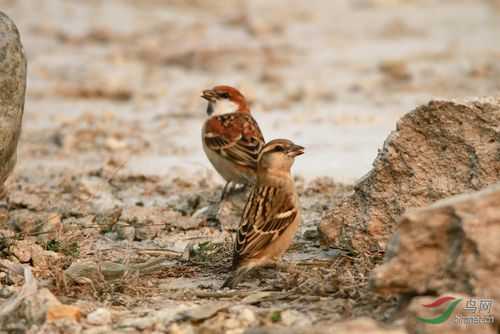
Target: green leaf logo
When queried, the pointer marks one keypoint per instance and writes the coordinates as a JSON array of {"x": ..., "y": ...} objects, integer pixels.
[{"x": 443, "y": 316}]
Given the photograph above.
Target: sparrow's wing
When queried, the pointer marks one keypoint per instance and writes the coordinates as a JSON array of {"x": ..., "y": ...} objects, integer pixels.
[
  {"x": 267, "y": 214},
  {"x": 235, "y": 136}
]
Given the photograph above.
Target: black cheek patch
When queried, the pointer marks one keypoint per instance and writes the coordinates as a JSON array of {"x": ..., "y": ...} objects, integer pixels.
[{"x": 210, "y": 109}]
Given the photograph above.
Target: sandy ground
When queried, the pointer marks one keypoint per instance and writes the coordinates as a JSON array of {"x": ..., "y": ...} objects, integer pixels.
[{"x": 113, "y": 117}]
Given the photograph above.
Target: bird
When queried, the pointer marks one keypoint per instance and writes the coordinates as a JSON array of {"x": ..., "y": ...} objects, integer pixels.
[
  {"x": 232, "y": 139},
  {"x": 271, "y": 215}
]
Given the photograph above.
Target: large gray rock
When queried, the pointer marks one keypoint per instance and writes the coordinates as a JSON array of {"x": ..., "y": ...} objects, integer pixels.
[
  {"x": 438, "y": 150},
  {"x": 450, "y": 246},
  {"x": 12, "y": 92}
]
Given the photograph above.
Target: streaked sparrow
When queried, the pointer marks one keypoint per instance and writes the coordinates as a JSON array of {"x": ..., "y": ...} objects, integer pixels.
[
  {"x": 232, "y": 140},
  {"x": 272, "y": 213}
]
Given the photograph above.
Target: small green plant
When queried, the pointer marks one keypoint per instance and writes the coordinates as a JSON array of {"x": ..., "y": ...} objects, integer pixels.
[
  {"x": 53, "y": 245},
  {"x": 204, "y": 251},
  {"x": 72, "y": 249},
  {"x": 276, "y": 316},
  {"x": 67, "y": 248},
  {"x": 5, "y": 243}
]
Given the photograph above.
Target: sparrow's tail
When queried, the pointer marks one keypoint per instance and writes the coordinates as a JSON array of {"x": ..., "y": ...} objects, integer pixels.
[{"x": 235, "y": 278}]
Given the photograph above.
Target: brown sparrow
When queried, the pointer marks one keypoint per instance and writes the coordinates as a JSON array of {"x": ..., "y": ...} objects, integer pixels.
[
  {"x": 232, "y": 140},
  {"x": 272, "y": 213}
]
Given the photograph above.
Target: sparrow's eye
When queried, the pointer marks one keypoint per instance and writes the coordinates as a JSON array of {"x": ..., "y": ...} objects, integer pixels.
[
  {"x": 224, "y": 95},
  {"x": 279, "y": 148}
]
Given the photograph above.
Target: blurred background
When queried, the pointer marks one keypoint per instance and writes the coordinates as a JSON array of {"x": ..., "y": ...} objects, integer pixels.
[{"x": 117, "y": 82}]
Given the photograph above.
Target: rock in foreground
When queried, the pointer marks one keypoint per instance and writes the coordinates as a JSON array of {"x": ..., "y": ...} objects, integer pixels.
[
  {"x": 438, "y": 150},
  {"x": 12, "y": 91},
  {"x": 451, "y": 246}
]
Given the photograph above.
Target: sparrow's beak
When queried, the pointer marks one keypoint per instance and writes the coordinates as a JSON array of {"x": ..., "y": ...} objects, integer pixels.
[
  {"x": 295, "y": 150},
  {"x": 209, "y": 95}
]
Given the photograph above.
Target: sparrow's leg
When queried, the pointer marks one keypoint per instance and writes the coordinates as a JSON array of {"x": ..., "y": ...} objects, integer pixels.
[
  {"x": 225, "y": 190},
  {"x": 235, "y": 277},
  {"x": 265, "y": 272}
]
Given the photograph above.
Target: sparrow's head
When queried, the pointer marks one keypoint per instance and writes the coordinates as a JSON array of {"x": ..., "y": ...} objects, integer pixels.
[
  {"x": 279, "y": 155},
  {"x": 224, "y": 100}
]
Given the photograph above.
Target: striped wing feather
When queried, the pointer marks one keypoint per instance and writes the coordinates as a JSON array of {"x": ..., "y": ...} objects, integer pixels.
[
  {"x": 236, "y": 137},
  {"x": 267, "y": 214}
]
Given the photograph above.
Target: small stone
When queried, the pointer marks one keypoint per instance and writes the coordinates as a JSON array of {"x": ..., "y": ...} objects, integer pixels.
[
  {"x": 138, "y": 323},
  {"x": 23, "y": 250},
  {"x": 294, "y": 318},
  {"x": 63, "y": 312},
  {"x": 232, "y": 323},
  {"x": 147, "y": 232},
  {"x": 100, "y": 316},
  {"x": 246, "y": 315},
  {"x": 6, "y": 291},
  {"x": 203, "y": 312},
  {"x": 185, "y": 328},
  {"x": 45, "y": 226},
  {"x": 42, "y": 259},
  {"x": 125, "y": 231},
  {"x": 26, "y": 199},
  {"x": 98, "y": 330},
  {"x": 185, "y": 223},
  {"x": 38, "y": 255},
  {"x": 147, "y": 221},
  {"x": 311, "y": 234}
]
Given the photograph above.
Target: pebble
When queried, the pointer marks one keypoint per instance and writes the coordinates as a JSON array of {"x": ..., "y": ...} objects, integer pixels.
[
  {"x": 294, "y": 318},
  {"x": 100, "y": 316}
]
